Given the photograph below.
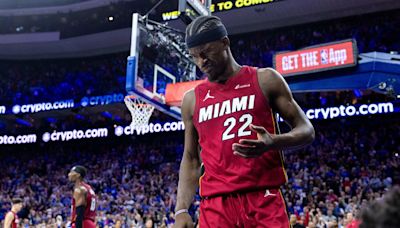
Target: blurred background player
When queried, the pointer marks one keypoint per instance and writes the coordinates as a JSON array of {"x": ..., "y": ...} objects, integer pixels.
[
  {"x": 242, "y": 153},
  {"x": 11, "y": 219},
  {"x": 83, "y": 201},
  {"x": 383, "y": 212}
]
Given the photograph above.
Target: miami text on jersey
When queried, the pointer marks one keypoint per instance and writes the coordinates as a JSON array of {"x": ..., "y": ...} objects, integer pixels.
[{"x": 226, "y": 107}]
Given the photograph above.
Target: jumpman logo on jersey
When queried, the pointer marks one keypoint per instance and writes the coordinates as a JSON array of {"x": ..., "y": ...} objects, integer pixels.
[
  {"x": 208, "y": 96},
  {"x": 268, "y": 193}
]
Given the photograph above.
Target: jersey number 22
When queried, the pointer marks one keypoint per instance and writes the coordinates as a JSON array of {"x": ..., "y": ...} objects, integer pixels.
[{"x": 230, "y": 124}]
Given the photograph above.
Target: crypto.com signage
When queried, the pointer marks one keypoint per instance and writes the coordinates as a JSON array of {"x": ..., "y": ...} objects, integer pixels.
[
  {"x": 325, "y": 113},
  {"x": 86, "y": 101}
]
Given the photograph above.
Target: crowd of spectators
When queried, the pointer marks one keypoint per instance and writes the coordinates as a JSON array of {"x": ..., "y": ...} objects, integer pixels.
[
  {"x": 135, "y": 179},
  {"x": 53, "y": 80},
  {"x": 344, "y": 169}
]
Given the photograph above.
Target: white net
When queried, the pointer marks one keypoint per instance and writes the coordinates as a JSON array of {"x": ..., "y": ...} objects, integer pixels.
[{"x": 140, "y": 111}]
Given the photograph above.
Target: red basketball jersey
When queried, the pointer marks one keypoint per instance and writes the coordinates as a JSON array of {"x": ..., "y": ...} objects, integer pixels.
[
  {"x": 222, "y": 115},
  {"x": 15, "y": 221},
  {"x": 90, "y": 210}
]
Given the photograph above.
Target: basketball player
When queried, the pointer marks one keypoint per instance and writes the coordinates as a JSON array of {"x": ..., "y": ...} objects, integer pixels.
[
  {"x": 84, "y": 200},
  {"x": 11, "y": 219},
  {"x": 231, "y": 116}
]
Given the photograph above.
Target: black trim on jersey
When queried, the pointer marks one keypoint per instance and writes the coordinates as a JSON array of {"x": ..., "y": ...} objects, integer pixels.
[{"x": 80, "y": 210}]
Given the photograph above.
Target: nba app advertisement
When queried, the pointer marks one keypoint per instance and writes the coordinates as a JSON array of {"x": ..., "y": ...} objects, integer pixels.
[{"x": 317, "y": 58}]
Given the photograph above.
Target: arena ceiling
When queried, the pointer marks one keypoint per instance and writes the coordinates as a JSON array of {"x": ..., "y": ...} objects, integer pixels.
[{"x": 20, "y": 4}]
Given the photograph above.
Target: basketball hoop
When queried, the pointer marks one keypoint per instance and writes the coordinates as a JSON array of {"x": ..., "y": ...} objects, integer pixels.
[{"x": 140, "y": 111}]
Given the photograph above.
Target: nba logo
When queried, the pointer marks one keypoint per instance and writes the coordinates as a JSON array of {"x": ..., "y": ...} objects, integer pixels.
[{"x": 324, "y": 56}]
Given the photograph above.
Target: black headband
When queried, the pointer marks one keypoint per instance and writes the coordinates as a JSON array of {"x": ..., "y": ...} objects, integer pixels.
[
  {"x": 79, "y": 169},
  {"x": 206, "y": 37}
]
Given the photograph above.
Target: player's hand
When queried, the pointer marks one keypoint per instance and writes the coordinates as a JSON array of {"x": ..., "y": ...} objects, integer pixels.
[
  {"x": 252, "y": 148},
  {"x": 183, "y": 221}
]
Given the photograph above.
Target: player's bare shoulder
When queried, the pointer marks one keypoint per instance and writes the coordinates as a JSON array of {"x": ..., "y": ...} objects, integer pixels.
[
  {"x": 270, "y": 80},
  {"x": 80, "y": 191},
  {"x": 188, "y": 103},
  {"x": 268, "y": 76},
  {"x": 9, "y": 215},
  {"x": 189, "y": 96}
]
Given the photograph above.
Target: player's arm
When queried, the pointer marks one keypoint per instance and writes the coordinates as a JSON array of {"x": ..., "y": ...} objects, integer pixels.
[
  {"x": 281, "y": 99},
  {"x": 80, "y": 205},
  {"x": 277, "y": 92},
  {"x": 8, "y": 220},
  {"x": 189, "y": 171}
]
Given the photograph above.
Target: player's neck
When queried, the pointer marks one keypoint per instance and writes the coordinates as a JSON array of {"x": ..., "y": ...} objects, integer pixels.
[
  {"x": 231, "y": 70},
  {"x": 78, "y": 183},
  {"x": 14, "y": 210}
]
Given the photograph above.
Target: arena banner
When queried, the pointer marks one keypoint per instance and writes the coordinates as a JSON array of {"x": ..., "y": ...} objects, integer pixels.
[
  {"x": 341, "y": 111},
  {"x": 175, "y": 91},
  {"x": 102, "y": 99},
  {"x": 87, "y": 101},
  {"x": 74, "y": 135},
  {"x": 317, "y": 58},
  {"x": 220, "y": 7},
  {"x": 44, "y": 106},
  {"x": 322, "y": 113},
  {"x": 18, "y": 139}
]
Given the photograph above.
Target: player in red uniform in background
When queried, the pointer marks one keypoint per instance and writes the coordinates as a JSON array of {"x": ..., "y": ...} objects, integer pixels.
[
  {"x": 84, "y": 200},
  {"x": 232, "y": 117},
  {"x": 11, "y": 219}
]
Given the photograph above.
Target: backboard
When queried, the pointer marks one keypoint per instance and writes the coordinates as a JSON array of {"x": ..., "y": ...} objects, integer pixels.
[
  {"x": 190, "y": 9},
  {"x": 158, "y": 57}
]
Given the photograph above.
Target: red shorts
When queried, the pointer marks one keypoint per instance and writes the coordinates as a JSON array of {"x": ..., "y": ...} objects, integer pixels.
[
  {"x": 265, "y": 208},
  {"x": 87, "y": 223}
]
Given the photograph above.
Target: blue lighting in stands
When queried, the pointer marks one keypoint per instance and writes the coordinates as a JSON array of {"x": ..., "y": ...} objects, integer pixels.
[
  {"x": 51, "y": 120},
  {"x": 117, "y": 118},
  {"x": 79, "y": 117},
  {"x": 106, "y": 114},
  {"x": 323, "y": 100},
  {"x": 357, "y": 93},
  {"x": 23, "y": 122}
]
